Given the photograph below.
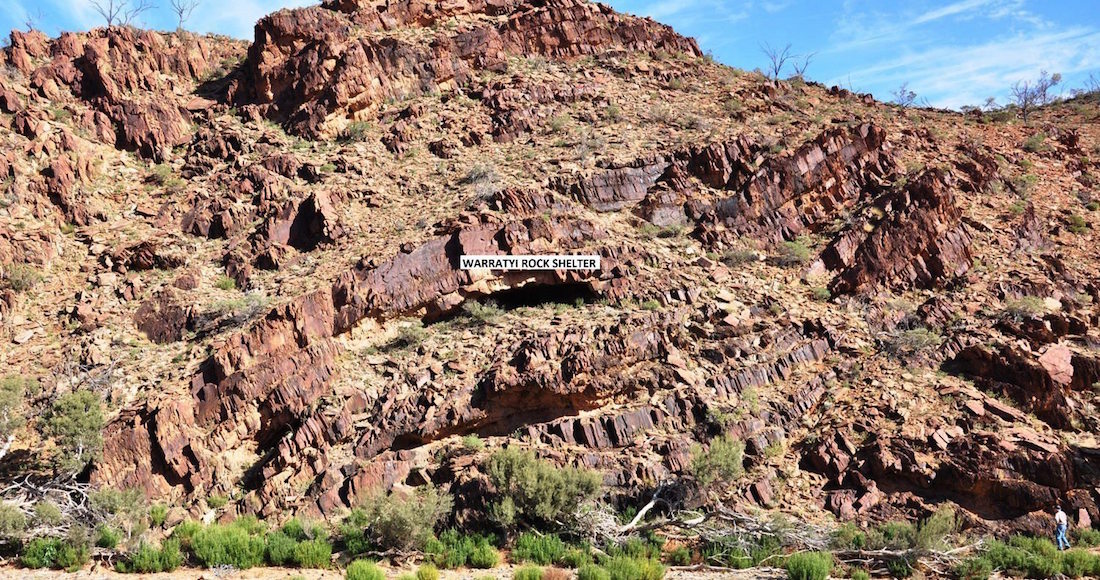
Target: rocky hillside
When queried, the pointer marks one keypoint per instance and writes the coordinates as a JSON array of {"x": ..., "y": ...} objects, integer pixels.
[{"x": 249, "y": 252}]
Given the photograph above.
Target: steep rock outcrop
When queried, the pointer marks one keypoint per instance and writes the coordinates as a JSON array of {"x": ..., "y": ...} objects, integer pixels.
[
  {"x": 309, "y": 65},
  {"x": 915, "y": 238}
]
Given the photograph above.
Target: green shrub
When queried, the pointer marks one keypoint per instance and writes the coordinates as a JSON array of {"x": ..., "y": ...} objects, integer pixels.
[
  {"x": 279, "y": 549},
  {"x": 401, "y": 523},
  {"x": 225, "y": 283},
  {"x": 1025, "y": 307},
  {"x": 722, "y": 461},
  {"x": 47, "y": 513},
  {"x": 185, "y": 531},
  {"x": 356, "y": 131},
  {"x": 148, "y": 560},
  {"x": 473, "y": 443},
  {"x": 575, "y": 558},
  {"x": 542, "y": 550},
  {"x": 651, "y": 305},
  {"x": 75, "y": 422},
  {"x": 55, "y": 553},
  {"x": 12, "y": 521},
  {"x": 592, "y": 572},
  {"x": 21, "y": 278},
  {"x": 627, "y": 568},
  {"x": 528, "y": 573},
  {"x": 484, "y": 557},
  {"x": 107, "y": 537},
  {"x": 1086, "y": 537},
  {"x": 1078, "y": 563},
  {"x": 932, "y": 533},
  {"x": 821, "y": 294},
  {"x": 793, "y": 253},
  {"x": 228, "y": 545},
  {"x": 809, "y": 566},
  {"x": 680, "y": 556},
  {"x": 482, "y": 314},
  {"x": 364, "y": 570},
  {"x": 860, "y": 575},
  {"x": 352, "y": 532},
  {"x": 12, "y": 415},
  {"x": 158, "y": 513},
  {"x": 533, "y": 491},
  {"x": 313, "y": 554},
  {"x": 912, "y": 341},
  {"x": 1035, "y": 143},
  {"x": 1077, "y": 224},
  {"x": 899, "y": 568},
  {"x": 848, "y": 537},
  {"x": 427, "y": 572}
]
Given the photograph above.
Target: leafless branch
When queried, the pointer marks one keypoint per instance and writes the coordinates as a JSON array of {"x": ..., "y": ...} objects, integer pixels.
[
  {"x": 183, "y": 10},
  {"x": 121, "y": 12},
  {"x": 803, "y": 64},
  {"x": 777, "y": 58},
  {"x": 1029, "y": 95}
]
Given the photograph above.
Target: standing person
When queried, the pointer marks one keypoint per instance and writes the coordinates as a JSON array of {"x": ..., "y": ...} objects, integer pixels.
[{"x": 1061, "y": 522}]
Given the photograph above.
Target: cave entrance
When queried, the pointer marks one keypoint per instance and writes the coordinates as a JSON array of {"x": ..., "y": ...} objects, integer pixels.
[{"x": 543, "y": 294}]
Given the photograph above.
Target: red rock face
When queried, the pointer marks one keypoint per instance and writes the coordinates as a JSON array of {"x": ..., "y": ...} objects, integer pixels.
[
  {"x": 919, "y": 242},
  {"x": 312, "y": 64},
  {"x": 137, "y": 79}
]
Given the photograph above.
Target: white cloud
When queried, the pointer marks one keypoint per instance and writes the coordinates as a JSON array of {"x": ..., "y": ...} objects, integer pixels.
[{"x": 952, "y": 76}]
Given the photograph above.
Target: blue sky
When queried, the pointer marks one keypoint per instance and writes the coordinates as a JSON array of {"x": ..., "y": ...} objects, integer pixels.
[{"x": 951, "y": 52}]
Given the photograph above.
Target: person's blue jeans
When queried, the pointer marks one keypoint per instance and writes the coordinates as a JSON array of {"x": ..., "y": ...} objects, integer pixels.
[{"x": 1060, "y": 536}]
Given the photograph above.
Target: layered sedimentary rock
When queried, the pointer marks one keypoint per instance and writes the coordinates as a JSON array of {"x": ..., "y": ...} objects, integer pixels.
[{"x": 335, "y": 60}]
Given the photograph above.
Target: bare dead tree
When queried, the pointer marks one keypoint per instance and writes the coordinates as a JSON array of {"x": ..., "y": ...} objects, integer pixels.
[
  {"x": 183, "y": 10},
  {"x": 1029, "y": 95},
  {"x": 777, "y": 58},
  {"x": 800, "y": 66},
  {"x": 904, "y": 97},
  {"x": 32, "y": 19},
  {"x": 121, "y": 12}
]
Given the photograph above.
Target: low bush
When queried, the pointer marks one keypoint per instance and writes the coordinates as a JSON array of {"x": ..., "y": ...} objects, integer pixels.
[
  {"x": 185, "y": 531},
  {"x": 1025, "y": 307},
  {"x": 592, "y": 572},
  {"x": 533, "y": 491},
  {"x": 1086, "y": 537},
  {"x": 279, "y": 549},
  {"x": 454, "y": 550},
  {"x": 793, "y": 253},
  {"x": 427, "y": 572},
  {"x": 228, "y": 545},
  {"x": 627, "y": 568},
  {"x": 679, "y": 556},
  {"x": 1078, "y": 563},
  {"x": 21, "y": 278},
  {"x": 860, "y": 575},
  {"x": 107, "y": 537},
  {"x": 364, "y": 570},
  {"x": 12, "y": 521},
  {"x": 528, "y": 573},
  {"x": 932, "y": 533},
  {"x": 47, "y": 513},
  {"x": 912, "y": 341},
  {"x": 484, "y": 557},
  {"x": 313, "y": 554},
  {"x": 575, "y": 558},
  {"x": 404, "y": 523},
  {"x": 543, "y": 550},
  {"x": 809, "y": 566},
  {"x": 149, "y": 560},
  {"x": 55, "y": 553},
  {"x": 158, "y": 513},
  {"x": 722, "y": 461}
]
